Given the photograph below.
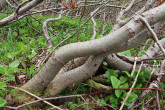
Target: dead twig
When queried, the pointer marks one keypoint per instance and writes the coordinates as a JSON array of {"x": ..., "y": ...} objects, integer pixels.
[
  {"x": 121, "y": 107},
  {"x": 153, "y": 33},
  {"x": 32, "y": 96}
]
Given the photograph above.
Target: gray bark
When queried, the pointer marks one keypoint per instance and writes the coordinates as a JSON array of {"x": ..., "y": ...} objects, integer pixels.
[
  {"x": 3, "y": 4},
  {"x": 108, "y": 43}
]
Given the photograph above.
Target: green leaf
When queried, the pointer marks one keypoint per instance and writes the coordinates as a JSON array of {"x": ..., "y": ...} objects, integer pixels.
[
  {"x": 135, "y": 73},
  {"x": 14, "y": 64},
  {"x": 79, "y": 101},
  {"x": 32, "y": 54},
  {"x": 32, "y": 68},
  {"x": 123, "y": 79},
  {"x": 127, "y": 53},
  {"x": 2, "y": 68},
  {"x": 103, "y": 102},
  {"x": 124, "y": 86},
  {"x": 3, "y": 92},
  {"x": 115, "y": 82},
  {"x": 107, "y": 98},
  {"x": 127, "y": 73},
  {"x": 5, "y": 71},
  {"x": 147, "y": 73},
  {"x": 139, "y": 86},
  {"x": 71, "y": 105},
  {"x": 118, "y": 93},
  {"x": 2, "y": 102},
  {"x": 10, "y": 78},
  {"x": 105, "y": 63},
  {"x": 2, "y": 85},
  {"x": 10, "y": 55},
  {"x": 22, "y": 47},
  {"x": 130, "y": 99},
  {"x": 113, "y": 101},
  {"x": 12, "y": 91},
  {"x": 99, "y": 36},
  {"x": 110, "y": 73},
  {"x": 15, "y": 34}
]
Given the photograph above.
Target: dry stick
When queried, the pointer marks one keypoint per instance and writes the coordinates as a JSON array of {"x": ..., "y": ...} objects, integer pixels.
[
  {"x": 102, "y": 103},
  {"x": 10, "y": 4},
  {"x": 32, "y": 27},
  {"x": 127, "y": 9},
  {"x": 75, "y": 32},
  {"x": 153, "y": 84},
  {"x": 44, "y": 99},
  {"x": 15, "y": 2},
  {"x": 77, "y": 106},
  {"x": 51, "y": 9},
  {"x": 15, "y": 14},
  {"x": 148, "y": 5},
  {"x": 131, "y": 87},
  {"x": 83, "y": 13},
  {"x": 34, "y": 2},
  {"x": 44, "y": 29},
  {"x": 20, "y": 5},
  {"x": 146, "y": 56},
  {"x": 144, "y": 103},
  {"x": 152, "y": 72},
  {"x": 146, "y": 43},
  {"x": 119, "y": 19},
  {"x": 157, "y": 99},
  {"x": 153, "y": 33},
  {"x": 94, "y": 25},
  {"x": 36, "y": 97},
  {"x": 159, "y": 78},
  {"x": 21, "y": 10},
  {"x": 60, "y": 97},
  {"x": 133, "y": 69},
  {"x": 41, "y": 23}
]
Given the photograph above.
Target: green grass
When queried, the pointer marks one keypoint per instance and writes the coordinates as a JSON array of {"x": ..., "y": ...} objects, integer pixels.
[{"x": 22, "y": 41}]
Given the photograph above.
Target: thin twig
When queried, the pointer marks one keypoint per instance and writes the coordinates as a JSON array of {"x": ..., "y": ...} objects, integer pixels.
[
  {"x": 133, "y": 69},
  {"x": 94, "y": 25},
  {"x": 44, "y": 29},
  {"x": 153, "y": 33},
  {"x": 131, "y": 87},
  {"x": 155, "y": 83},
  {"x": 35, "y": 97},
  {"x": 75, "y": 32},
  {"x": 10, "y": 4},
  {"x": 101, "y": 102}
]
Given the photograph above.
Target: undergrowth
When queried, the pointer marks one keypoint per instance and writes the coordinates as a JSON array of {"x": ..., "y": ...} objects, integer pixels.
[{"x": 22, "y": 43}]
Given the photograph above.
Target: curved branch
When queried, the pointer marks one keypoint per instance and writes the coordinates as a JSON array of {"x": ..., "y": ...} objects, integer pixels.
[
  {"x": 151, "y": 52},
  {"x": 20, "y": 11},
  {"x": 80, "y": 74},
  {"x": 107, "y": 43},
  {"x": 45, "y": 32}
]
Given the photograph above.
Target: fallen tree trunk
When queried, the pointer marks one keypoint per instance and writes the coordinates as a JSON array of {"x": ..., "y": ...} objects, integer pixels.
[
  {"x": 106, "y": 44},
  {"x": 125, "y": 35}
]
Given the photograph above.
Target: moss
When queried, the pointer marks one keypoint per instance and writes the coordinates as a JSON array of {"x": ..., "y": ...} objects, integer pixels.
[
  {"x": 46, "y": 93},
  {"x": 22, "y": 97}
]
